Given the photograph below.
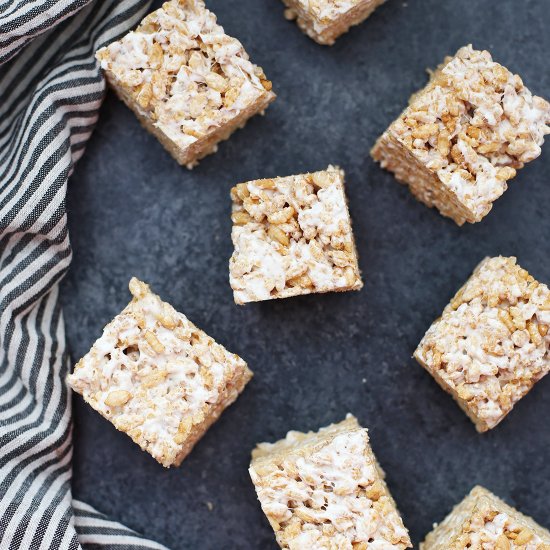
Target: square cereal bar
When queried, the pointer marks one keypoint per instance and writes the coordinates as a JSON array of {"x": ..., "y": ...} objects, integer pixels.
[
  {"x": 292, "y": 236},
  {"x": 326, "y": 490},
  {"x": 464, "y": 135},
  {"x": 492, "y": 343},
  {"x": 188, "y": 83},
  {"x": 326, "y": 20},
  {"x": 484, "y": 521},
  {"x": 158, "y": 378}
]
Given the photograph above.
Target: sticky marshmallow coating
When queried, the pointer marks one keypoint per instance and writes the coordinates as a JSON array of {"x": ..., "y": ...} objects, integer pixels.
[{"x": 324, "y": 12}]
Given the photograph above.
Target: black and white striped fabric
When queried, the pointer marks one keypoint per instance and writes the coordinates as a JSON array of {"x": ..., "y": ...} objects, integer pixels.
[{"x": 50, "y": 93}]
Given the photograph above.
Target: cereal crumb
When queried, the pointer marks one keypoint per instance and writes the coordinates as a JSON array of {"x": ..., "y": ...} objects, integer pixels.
[{"x": 190, "y": 84}]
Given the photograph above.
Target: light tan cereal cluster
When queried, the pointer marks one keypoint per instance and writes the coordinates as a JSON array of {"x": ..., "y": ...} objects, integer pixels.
[
  {"x": 465, "y": 135},
  {"x": 326, "y": 20},
  {"x": 189, "y": 83},
  {"x": 326, "y": 490},
  {"x": 482, "y": 520},
  {"x": 292, "y": 236},
  {"x": 158, "y": 378},
  {"x": 492, "y": 343}
]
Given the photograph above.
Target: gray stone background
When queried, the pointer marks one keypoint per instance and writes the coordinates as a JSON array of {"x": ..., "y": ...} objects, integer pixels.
[{"x": 134, "y": 211}]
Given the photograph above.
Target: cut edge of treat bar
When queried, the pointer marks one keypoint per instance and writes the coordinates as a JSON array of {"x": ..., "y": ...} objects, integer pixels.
[
  {"x": 409, "y": 171},
  {"x": 328, "y": 32},
  {"x": 206, "y": 145},
  {"x": 230, "y": 386},
  {"x": 480, "y": 425},
  {"x": 307, "y": 442},
  {"x": 302, "y": 444},
  {"x": 233, "y": 388},
  {"x": 424, "y": 184},
  {"x": 444, "y": 534},
  {"x": 289, "y": 292}
]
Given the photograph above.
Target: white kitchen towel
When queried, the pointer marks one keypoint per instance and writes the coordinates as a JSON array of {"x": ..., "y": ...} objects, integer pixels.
[{"x": 51, "y": 89}]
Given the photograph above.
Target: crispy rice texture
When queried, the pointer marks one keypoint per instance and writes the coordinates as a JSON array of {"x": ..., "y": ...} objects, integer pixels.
[
  {"x": 189, "y": 83},
  {"x": 292, "y": 236},
  {"x": 325, "y": 20},
  {"x": 492, "y": 342},
  {"x": 157, "y": 377},
  {"x": 465, "y": 135},
  {"x": 326, "y": 491},
  {"x": 484, "y": 522}
]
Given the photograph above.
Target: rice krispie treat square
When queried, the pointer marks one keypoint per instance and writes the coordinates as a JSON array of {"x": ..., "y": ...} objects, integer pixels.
[
  {"x": 326, "y": 20},
  {"x": 158, "y": 378},
  {"x": 482, "y": 520},
  {"x": 465, "y": 135},
  {"x": 492, "y": 343},
  {"x": 326, "y": 490},
  {"x": 188, "y": 83},
  {"x": 292, "y": 236}
]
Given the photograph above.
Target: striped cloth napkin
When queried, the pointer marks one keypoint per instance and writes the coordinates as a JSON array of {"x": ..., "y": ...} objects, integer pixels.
[{"x": 50, "y": 92}]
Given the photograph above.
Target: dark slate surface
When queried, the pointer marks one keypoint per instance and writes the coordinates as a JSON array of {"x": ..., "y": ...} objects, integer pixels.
[{"x": 134, "y": 211}]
